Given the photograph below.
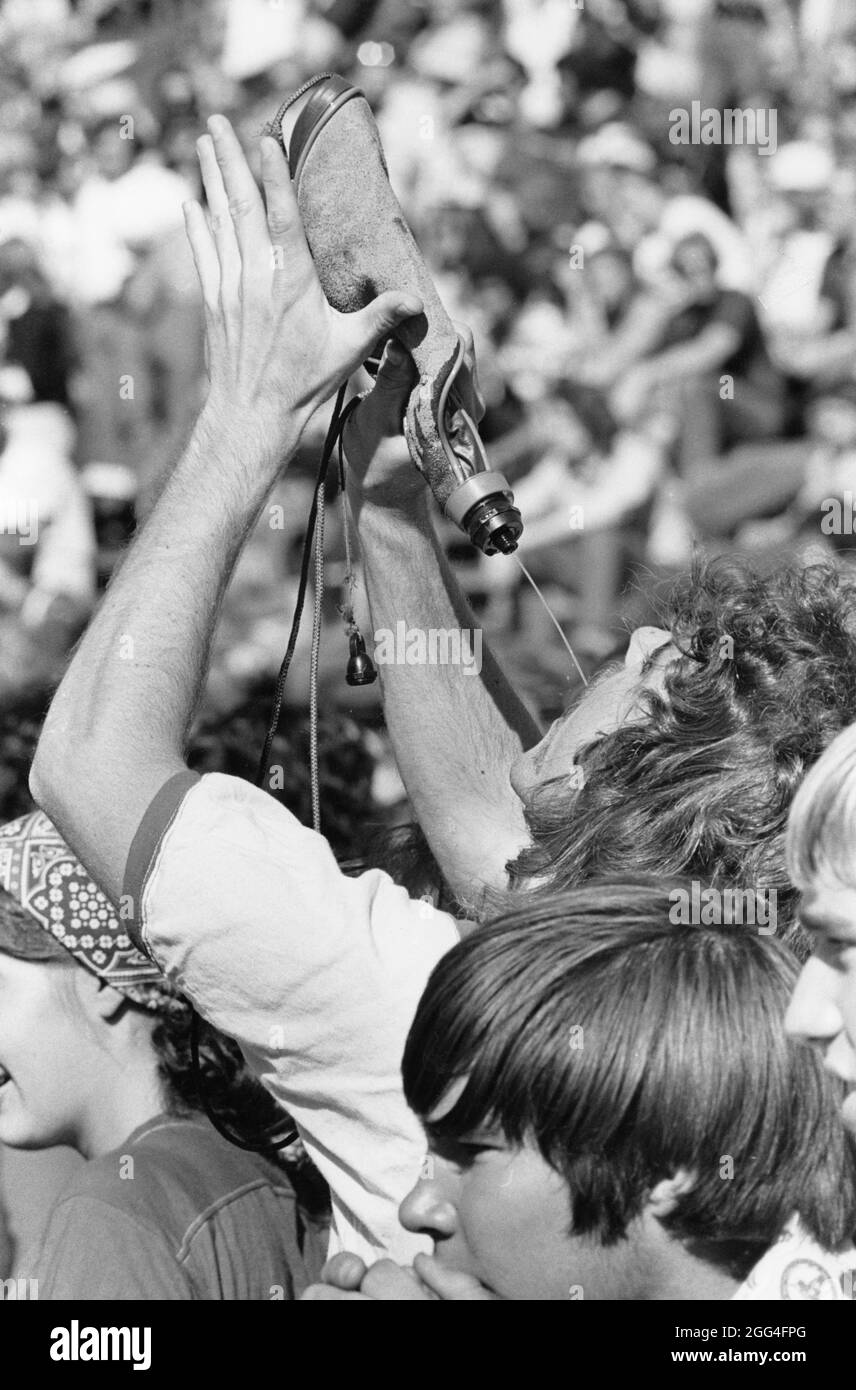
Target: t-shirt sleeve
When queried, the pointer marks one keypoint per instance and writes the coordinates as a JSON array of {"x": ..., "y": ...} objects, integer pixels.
[
  {"x": 92, "y": 1250},
  {"x": 315, "y": 974}
]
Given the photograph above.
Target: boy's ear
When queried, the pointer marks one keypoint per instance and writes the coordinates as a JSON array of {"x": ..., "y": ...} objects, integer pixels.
[
  {"x": 101, "y": 999},
  {"x": 665, "y": 1195},
  {"x": 109, "y": 1001}
]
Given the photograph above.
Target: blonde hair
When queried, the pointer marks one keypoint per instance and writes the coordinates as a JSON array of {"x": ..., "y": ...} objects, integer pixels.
[{"x": 821, "y": 837}]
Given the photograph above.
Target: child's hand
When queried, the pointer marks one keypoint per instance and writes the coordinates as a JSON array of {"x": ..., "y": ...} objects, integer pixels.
[
  {"x": 344, "y": 1271},
  {"x": 347, "y": 1277}
]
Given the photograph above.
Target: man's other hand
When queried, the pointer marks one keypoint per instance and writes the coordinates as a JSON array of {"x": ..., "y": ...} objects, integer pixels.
[
  {"x": 276, "y": 349},
  {"x": 380, "y": 470}
]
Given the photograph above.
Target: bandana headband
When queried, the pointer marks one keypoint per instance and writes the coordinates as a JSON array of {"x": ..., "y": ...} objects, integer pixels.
[{"x": 39, "y": 871}]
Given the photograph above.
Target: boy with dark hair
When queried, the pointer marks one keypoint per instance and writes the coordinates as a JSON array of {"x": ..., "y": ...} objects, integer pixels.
[{"x": 614, "y": 1111}]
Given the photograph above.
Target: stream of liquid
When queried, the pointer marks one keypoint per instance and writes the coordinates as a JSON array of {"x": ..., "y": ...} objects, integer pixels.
[{"x": 553, "y": 619}]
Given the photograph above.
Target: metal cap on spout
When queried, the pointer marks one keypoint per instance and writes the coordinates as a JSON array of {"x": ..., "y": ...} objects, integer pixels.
[{"x": 483, "y": 506}]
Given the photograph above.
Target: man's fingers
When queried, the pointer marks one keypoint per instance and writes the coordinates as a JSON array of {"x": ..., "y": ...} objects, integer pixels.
[
  {"x": 362, "y": 330},
  {"x": 380, "y": 417},
  {"x": 204, "y": 254},
  {"x": 283, "y": 219},
  {"x": 397, "y": 374},
  {"x": 222, "y": 226},
  {"x": 243, "y": 199},
  {"x": 381, "y": 412}
]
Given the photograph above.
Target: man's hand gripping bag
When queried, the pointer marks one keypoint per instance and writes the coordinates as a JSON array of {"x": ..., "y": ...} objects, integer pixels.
[{"x": 362, "y": 245}]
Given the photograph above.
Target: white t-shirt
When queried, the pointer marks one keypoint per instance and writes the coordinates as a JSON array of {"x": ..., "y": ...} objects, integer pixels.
[
  {"x": 796, "y": 1268},
  {"x": 316, "y": 975}
]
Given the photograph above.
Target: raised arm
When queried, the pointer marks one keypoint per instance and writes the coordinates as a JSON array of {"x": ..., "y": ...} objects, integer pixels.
[
  {"x": 276, "y": 350},
  {"x": 455, "y": 732}
]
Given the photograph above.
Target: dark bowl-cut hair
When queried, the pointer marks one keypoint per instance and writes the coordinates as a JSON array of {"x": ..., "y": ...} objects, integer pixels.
[
  {"x": 626, "y": 1049},
  {"x": 701, "y": 781}
]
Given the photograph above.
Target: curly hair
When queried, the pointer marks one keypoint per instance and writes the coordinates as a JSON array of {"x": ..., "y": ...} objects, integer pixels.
[
  {"x": 234, "y": 1093},
  {"x": 701, "y": 784}
]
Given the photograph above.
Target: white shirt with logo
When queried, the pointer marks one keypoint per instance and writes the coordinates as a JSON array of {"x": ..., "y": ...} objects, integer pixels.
[{"x": 797, "y": 1268}]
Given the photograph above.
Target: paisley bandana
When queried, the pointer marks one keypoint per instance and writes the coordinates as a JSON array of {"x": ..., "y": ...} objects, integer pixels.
[{"x": 39, "y": 871}]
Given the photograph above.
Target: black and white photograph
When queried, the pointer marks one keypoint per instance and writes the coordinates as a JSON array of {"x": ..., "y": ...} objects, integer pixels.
[{"x": 427, "y": 668}]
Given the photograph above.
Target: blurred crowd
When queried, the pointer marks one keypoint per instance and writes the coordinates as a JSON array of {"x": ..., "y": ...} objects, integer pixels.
[
  {"x": 664, "y": 326},
  {"x": 664, "y": 320}
]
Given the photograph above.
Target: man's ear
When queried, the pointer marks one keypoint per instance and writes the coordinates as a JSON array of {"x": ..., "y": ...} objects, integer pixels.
[{"x": 665, "y": 1195}]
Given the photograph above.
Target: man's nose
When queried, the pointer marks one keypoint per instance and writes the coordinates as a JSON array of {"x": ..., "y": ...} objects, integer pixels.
[
  {"x": 427, "y": 1210},
  {"x": 813, "y": 1011}
]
